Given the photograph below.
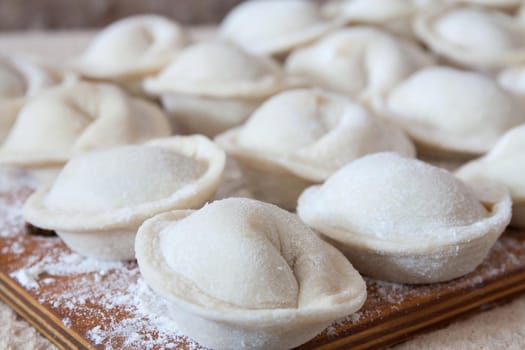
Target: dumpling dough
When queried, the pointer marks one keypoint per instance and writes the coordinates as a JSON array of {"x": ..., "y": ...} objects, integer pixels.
[
  {"x": 402, "y": 220},
  {"x": 273, "y": 284},
  {"x": 473, "y": 36},
  {"x": 301, "y": 137},
  {"x": 213, "y": 86},
  {"x": 79, "y": 117},
  {"x": 392, "y": 15},
  {"x": 20, "y": 78},
  {"x": 274, "y": 27},
  {"x": 130, "y": 49},
  {"x": 513, "y": 79},
  {"x": 453, "y": 112},
  {"x": 100, "y": 198},
  {"x": 505, "y": 163},
  {"x": 352, "y": 61}
]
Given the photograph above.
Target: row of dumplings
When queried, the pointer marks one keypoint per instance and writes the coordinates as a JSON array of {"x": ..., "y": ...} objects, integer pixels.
[
  {"x": 331, "y": 133},
  {"x": 446, "y": 110},
  {"x": 244, "y": 273}
]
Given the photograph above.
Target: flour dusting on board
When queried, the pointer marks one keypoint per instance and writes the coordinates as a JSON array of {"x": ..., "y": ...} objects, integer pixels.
[
  {"x": 15, "y": 185},
  {"x": 114, "y": 286},
  {"x": 110, "y": 285}
]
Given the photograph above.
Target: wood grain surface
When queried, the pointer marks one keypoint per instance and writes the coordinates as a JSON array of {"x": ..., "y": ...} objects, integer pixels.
[{"x": 391, "y": 314}]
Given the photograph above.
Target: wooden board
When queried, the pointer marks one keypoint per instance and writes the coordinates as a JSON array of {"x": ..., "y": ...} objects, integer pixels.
[{"x": 80, "y": 304}]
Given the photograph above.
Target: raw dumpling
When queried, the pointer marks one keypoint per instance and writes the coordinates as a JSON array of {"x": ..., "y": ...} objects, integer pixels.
[
  {"x": 392, "y": 15},
  {"x": 79, "y": 117},
  {"x": 20, "y": 78},
  {"x": 99, "y": 199},
  {"x": 513, "y": 79},
  {"x": 402, "y": 220},
  {"x": 453, "y": 112},
  {"x": 473, "y": 36},
  {"x": 301, "y": 137},
  {"x": 505, "y": 163},
  {"x": 130, "y": 49},
  {"x": 213, "y": 86},
  {"x": 274, "y": 27},
  {"x": 273, "y": 284},
  {"x": 362, "y": 61}
]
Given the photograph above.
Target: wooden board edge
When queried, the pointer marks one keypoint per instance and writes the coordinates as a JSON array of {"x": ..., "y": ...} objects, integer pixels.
[
  {"x": 39, "y": 317},
  {"x": 399, "y": 329}
]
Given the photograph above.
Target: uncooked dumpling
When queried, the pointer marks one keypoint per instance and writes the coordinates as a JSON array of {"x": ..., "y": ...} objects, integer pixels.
[
  {"x": 273, "y": 284},
  {"x": 79, "y": 117},
  {"x": 99, "y": 199},
  {"x": 213, "y": 86},
  {"x": 513, "y": 79},
  {"x": 274, "y": 26},
  {"x": 402, "y": 220},
  {"x": 453, "y": 112},
  {"x": 301, "y": 137},
  {"x": 505, "y": 163},
  {"x": 353, "y": 61},
  {"x": 20, "y": 78},
  {"x": 130, "y": 49},
  {"x": 392, "y": 15},
  {"x": 473, "y": 36}
]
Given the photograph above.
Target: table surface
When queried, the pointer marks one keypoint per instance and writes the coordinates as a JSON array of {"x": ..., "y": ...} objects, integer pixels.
[{"x": 500, "y": 328}]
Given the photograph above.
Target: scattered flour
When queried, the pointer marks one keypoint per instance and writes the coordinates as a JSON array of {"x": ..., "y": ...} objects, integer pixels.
[
  {"x": 13, "y": 178},
  {"x": 63, "y": 265},
  {"x": 18, "y": 182},
  {"x": 11, "y": 214},
  {"x": 26, "y": 278},
  {"x": 117, "y": 288}
]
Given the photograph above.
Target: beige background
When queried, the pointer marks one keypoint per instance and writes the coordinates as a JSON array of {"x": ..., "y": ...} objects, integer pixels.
[{"x": 500, "y": 328}]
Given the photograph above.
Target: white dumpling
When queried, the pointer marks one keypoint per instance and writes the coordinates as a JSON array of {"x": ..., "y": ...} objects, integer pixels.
[
  {"x": 300, "y": 137},
  {"x": 505, "y": 163},
  {"x": 220, "y": 69},
  {"x": 20, "y": 78},
  {"x": 403, "y": 220},
  {"x": 392, "y": 15},
  {"x": 273, "y": 284},
  {"x": 449, "y": 111},
  {"x": 88, "y": 183},
  {"x": 131, "y": 49},
  {"x": 513, "y": 79},
  {"x": 473, "y": 36},
  {"x": 212, "y": 86},
  {"x": 78, "y": 117},
  {"x": 361, "y": 61},
  {"x": 132, "y": 46},
  {"x": 100, "y": 198},
  {"x": 274, "y": 26},
  {"x": 194, "y": 114}
]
